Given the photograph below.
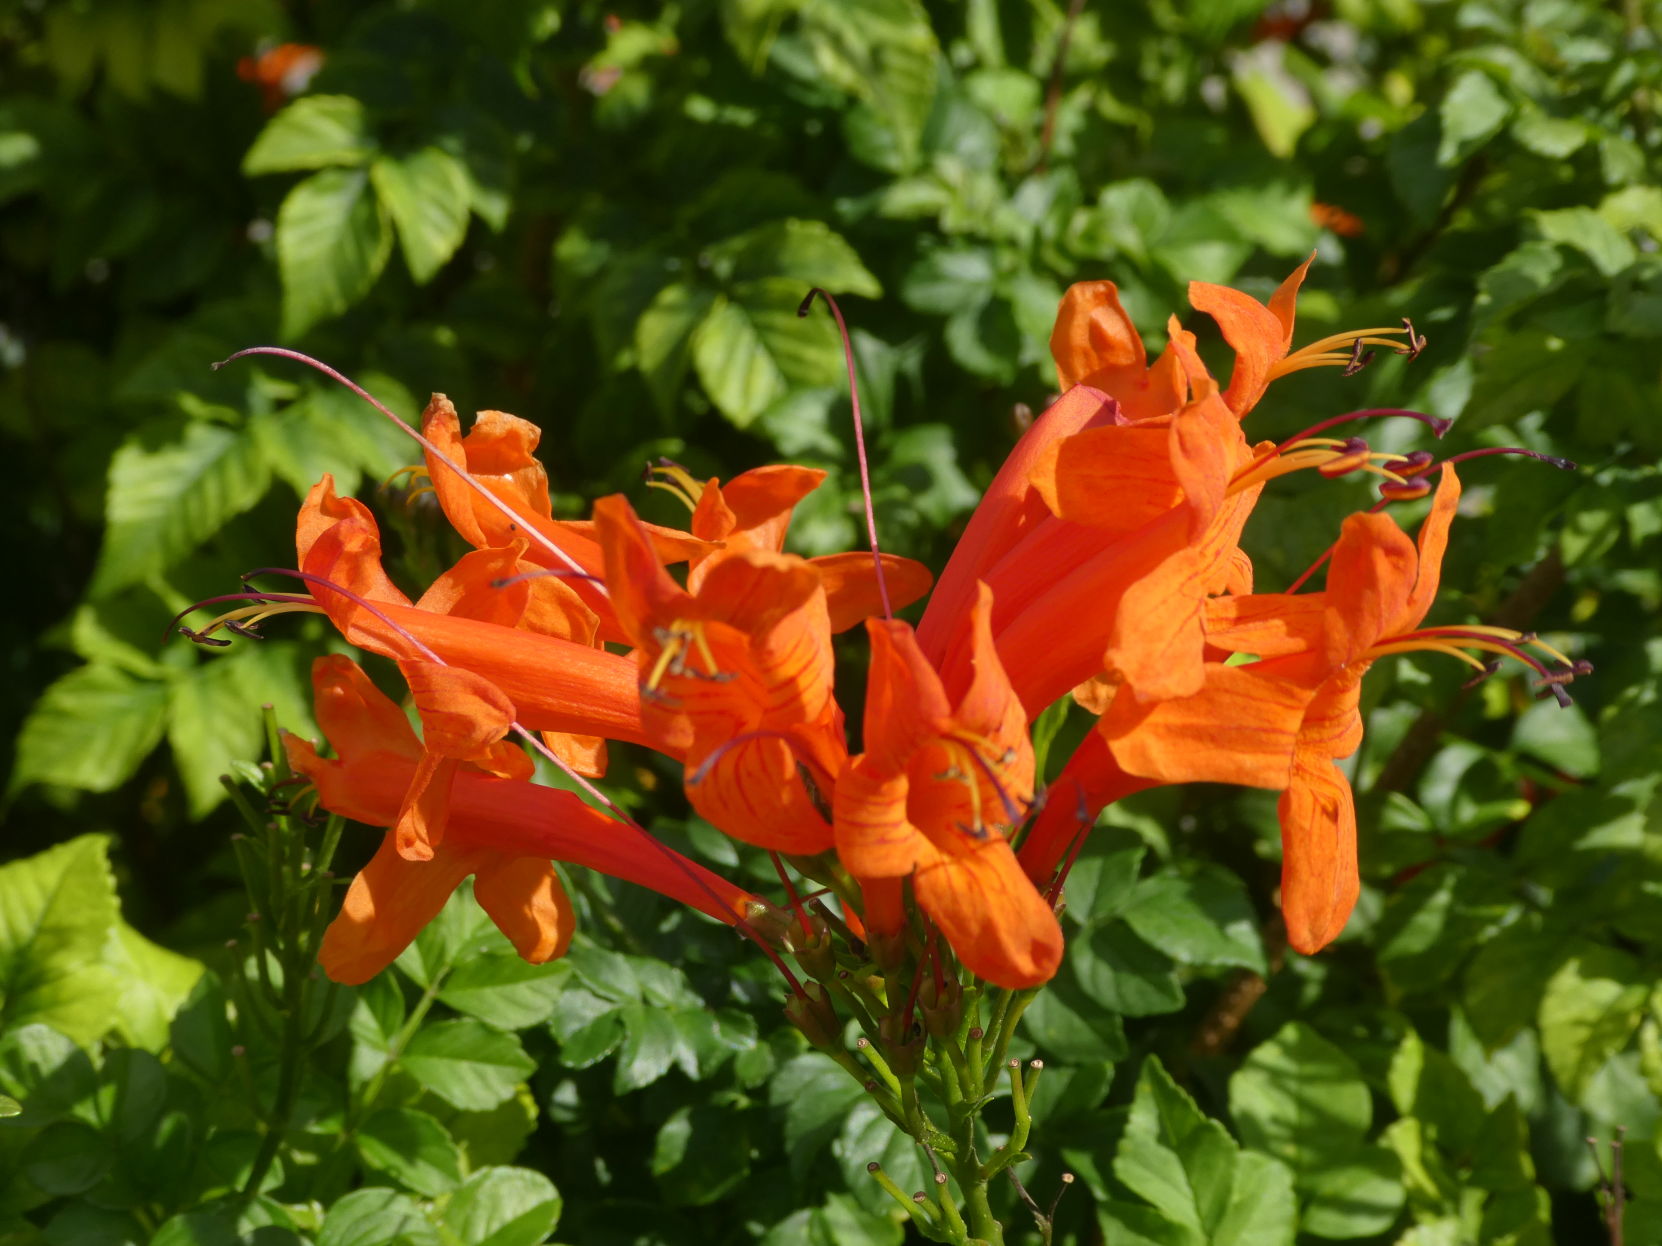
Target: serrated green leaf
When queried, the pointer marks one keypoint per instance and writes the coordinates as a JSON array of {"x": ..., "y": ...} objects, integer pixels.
[
  {"x": 501, "y": 989},
  {"x": 57, "y": 910},
  {"x": 426, "y": 193},
  {"x": 652, "y": 1045},
  {"x": 1173, "y": 1155},
  {"x": 313, "y": 132},
  {"x": 467, "y": 1064},
  {"x": 333, "y": 240},
  {"x": 154, "y": 984},
  {"x": 411, "y": 1147},
  {"x": 1299, "y": 1098},
  {"x": 664, "y": 338},
  {"x": 1590, "y": 1010},
  {"x": 164, "y": 500},
  {"x": 753, "y": 348},
  {"x": 215, "y": 717},
  {"x": 376, "y": 1217},
  {"x": 815, "y": 1096},
  {"x": 948, "y": 279},
  {"x": 810, "y": 252},
  {"x": 503, "y": 1207},
  {"x": 90, "y": 730},
  {"x": 1203, "y": 918}
]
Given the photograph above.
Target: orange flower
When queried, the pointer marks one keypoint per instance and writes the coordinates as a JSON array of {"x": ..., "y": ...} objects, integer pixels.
[
  {"x": 502, "y": 831},
  {"x": 741, "y": 670},
  {"x": 753, "y": 512},
  {"x": 946, "y": 775},
  {"x": 1281, "y": 722},
  {"x": 1141, "y": 525},
  {"x": 508, "y": 634}
]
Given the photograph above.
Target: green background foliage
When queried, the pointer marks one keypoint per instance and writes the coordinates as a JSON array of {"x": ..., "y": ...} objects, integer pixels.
[{"x": 602, "y": 217}]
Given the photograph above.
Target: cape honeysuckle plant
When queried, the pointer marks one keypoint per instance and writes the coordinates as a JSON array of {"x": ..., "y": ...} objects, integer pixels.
[{"x": 921, "y": 860}]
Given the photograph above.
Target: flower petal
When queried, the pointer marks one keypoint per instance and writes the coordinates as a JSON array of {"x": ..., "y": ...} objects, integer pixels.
[
  {"x": 1001, "y": 928},
  {"x": 525, "y": 899},
  {"x": 1240, "y": 728},
  {"x": 1319, "y": 880}
]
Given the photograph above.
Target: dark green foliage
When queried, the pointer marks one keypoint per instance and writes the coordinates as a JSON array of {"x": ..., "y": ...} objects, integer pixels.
[{"x": 602, "y": 218}]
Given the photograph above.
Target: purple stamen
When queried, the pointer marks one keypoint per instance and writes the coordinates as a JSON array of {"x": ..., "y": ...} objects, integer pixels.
[{"x": 1436, "y": 423}]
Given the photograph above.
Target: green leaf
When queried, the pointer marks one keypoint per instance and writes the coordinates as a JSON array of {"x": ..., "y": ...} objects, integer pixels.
[
  {"x": 333, "y": 240},
  {"x": 1587, "y": 231},
  {"x": 1202, "y": 919},
  {"x": 376, "y": 1217},
  {"x": 1428, "y": 1086},
  {"x": 1560, "y": 736},
  {"x": 501, "y": 989},
  {"x": 426, "y": 193},
  {"x": 700, "y": 1154},
  {"x": 57, "y": 910},
  {"x": 1299, "y": 1098},
  {"x": 197, "y": 1228},
  {"x": 1471, "y": 113},
  {"x": 652, "y": 1045},
  {"x": 1124, "y": 973},
  {"x": 753, "y": 348},
  {"x": 154, "y": 984},
  {"x": 1352, "y": 1194},
  {"x": 815, "y": 1096},
  {"x": 1186, "y": 1165},
  {"x": 502, "y": 1207},
  {"x": 467, "y": 1064},
  {"x": 810, "y": 252},
  {"x": 214, "y": 714},
  {"x": 948, "y": 279},
  {"x": 313, "y": 132},
  {"x": 841, "y": 1222},
  {"x": 664, "y": 338},
  {"x": 1590, "y": 1011},
  {"x": 1173, "y": 1155},
  {"x": 165, "y": 500},
  {"x": 90, "y": 730},
  {"x": 1277, "y": 102},
  {"x": 1552, "y": 137},
  {"x": 413, "y": 1148}
]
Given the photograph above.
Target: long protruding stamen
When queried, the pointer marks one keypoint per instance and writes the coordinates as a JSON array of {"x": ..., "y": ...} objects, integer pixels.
[
  {"x": 421, "y": 439},
  {"x": 677, "y": 480},
  {"x": 1439, "y": 425},
  {"x": 1349, "y": 350},
  {"x": 740, "y": 922},
  {"x": 859, "y": 440},
  {"x": 262, "y": 606},
  {"x": 1455, "y": 639}
]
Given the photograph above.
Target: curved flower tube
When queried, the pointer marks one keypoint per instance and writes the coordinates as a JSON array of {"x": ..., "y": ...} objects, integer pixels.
[
  {"x": 946, "y": 776},
  {"x": 502, "y": 831}
]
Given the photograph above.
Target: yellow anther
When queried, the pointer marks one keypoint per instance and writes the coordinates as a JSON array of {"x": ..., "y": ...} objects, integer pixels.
[
  {"x": 1340, "y": 350},
  {"x": 676, "y": 480}
]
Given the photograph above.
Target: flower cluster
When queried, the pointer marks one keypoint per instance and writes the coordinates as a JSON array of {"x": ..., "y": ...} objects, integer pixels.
[{"x": 1104, "y": 562}]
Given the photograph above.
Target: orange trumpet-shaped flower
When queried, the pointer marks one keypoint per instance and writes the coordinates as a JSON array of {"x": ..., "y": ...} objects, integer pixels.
[
  {"x": 753, "y": 512},
  {"x": 946, "y": 774},
  {"x": 742, "y": 671},
  {"x": 1282, "y": 722},
  {"x": 501, "y": 831},
  {"x": 1142, "y": 526},
  {"x": 554, "y": 682}
]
